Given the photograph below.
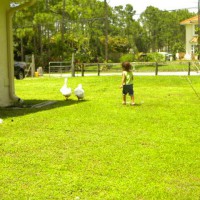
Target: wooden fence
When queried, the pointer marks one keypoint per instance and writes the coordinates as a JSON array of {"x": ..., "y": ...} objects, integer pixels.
[
  {"x": 155, "y": 66},
  {"x": 100, "y": 68}
]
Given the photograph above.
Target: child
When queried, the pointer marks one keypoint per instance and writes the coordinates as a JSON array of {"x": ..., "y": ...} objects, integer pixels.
[{"x": 127, "y": 83}]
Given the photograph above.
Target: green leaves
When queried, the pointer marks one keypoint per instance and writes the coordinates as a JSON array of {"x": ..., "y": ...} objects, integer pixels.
[
  {"x": 54, "y": 27},
  {"x": 163, "y": 28},
  {"x": 43, "y": 19}
]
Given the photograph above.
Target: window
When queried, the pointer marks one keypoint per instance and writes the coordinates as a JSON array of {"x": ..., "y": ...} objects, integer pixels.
[
  {"x": 194, "y": 49},
  {"x": 196, "y": 29}
]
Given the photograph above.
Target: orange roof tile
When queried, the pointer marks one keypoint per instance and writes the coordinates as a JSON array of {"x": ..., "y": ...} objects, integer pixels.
[
  {"x": 192, "y": 20},
  {"x": 194, "y": 39}
]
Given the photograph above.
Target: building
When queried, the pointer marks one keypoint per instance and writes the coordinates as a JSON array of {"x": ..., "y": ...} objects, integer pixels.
[
  {"x": 191, "y": 26},
  {"x": 7, "y": 89}
]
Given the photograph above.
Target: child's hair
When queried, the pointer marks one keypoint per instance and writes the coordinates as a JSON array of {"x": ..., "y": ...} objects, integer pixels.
[{"x": 126, "y": 66}]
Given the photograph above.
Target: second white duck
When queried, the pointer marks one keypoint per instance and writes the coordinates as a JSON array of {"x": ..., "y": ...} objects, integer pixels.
[
  {"x": 79, "y": 92},
  {"x": 66, "y": 91}
]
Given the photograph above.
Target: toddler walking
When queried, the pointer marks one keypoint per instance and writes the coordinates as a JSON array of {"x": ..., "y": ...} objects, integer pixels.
[{"x": 127, "y": 83}]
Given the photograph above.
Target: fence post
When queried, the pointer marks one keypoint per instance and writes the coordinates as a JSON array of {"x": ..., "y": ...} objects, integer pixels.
[
  {"x": 32, "y": 65},
  {"x": 72, "y": 65},
  {"x": 49, "y": 68},
  {"x": 98, "y": 69},
  {"x": 82, "y": 69},
  {"x": 61, "y": 68},
  {"x": 189, "y": 64},
  {"x": 156, "y": 71}
]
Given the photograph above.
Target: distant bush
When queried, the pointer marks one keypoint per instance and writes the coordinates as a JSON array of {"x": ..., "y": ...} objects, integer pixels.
[
  {"x": 155, "y": 57},
  {"x": 127, "y": 57}
]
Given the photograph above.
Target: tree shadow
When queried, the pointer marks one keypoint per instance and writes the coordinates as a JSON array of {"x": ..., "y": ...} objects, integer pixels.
[{"x": 36, "y": 105}]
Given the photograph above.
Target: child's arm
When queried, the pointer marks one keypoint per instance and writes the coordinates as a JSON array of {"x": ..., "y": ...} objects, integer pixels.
[{"x": 123, "y": 80}]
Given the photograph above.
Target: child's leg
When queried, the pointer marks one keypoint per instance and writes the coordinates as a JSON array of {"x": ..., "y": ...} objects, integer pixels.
[
  {"x": 132, "y": 100},
  {"x": 123, "y": 99}
]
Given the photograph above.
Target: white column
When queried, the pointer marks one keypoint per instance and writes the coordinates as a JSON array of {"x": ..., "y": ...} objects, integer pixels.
[{"x": 4, "y": 62}]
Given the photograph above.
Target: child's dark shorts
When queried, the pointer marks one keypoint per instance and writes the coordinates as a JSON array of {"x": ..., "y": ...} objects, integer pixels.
[{"x": 128, "y": 89}]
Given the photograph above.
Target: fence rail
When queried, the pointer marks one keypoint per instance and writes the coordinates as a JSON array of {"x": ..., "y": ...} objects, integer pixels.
[
  {"x": 100, "y": 68},
  {"x": 156, "y": 67},
  {"x": 59, "y": 67}
]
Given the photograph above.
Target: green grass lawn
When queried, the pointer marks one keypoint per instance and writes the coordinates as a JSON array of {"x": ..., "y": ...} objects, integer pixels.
[{"x": 99, "y": 149}]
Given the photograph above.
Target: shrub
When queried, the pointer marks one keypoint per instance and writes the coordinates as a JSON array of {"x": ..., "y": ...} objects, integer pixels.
[
  {"x": 155, "y": 57},
  {"x": 127, "y": 57}
]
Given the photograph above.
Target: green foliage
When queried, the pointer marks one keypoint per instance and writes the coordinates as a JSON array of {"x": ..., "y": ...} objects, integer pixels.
[
  {"x": 178, "y": 47},
  {"x": 82, "y": 57},
  {"x": 164, "y": 28},
  {"x": 99, "y": 149},
  {"x": 130, "y": 57},
  {"x": 55, "y": 28},
  {"x": 116, "y": 44},
  {"x": 155, "y": 57}
]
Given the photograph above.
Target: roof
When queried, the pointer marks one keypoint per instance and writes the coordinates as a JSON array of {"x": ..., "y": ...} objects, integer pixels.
[
  {"x": 194, "y": 39},
  {"x": 192, "y": 20}
]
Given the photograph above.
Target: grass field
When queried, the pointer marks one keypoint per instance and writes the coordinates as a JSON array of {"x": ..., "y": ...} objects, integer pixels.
[{"x": 99, "y": 149}]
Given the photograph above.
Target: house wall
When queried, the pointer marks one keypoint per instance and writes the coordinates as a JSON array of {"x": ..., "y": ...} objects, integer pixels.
[
  {"x": 4, "y": 74},
  {"x": 7, "y": 89},
  {"x": 190, "y": 33}
]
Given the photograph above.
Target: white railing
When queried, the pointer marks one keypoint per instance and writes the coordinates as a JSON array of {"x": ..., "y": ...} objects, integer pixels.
[{"x": 59, "y": 67}]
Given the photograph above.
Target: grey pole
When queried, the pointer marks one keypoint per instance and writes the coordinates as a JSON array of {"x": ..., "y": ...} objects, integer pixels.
[{"x": 198, "y": 29}]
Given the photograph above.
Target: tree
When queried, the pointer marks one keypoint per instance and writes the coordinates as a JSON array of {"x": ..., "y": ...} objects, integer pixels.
[
  {"x": 163, "y": 28},
  {"x": 53, "y": 29}
]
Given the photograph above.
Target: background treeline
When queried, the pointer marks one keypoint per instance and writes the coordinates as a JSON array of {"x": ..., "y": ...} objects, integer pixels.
[{"x": 54, "y": 29}]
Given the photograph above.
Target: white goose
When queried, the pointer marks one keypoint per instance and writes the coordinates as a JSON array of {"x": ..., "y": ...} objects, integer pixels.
[
  {"x": 65, "y": 90},
  {"x": 79, "y": 92}
]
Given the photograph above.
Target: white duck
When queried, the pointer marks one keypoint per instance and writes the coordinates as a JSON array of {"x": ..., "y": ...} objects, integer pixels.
[
  {"x": 79, "y": 92},
  {"x": 65, "y": 90}
]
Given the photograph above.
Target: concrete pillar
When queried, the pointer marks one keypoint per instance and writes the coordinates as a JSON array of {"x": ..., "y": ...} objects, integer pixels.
[
  {"x": 7, "y": 89},
  {"x": 5, "y": 99}
]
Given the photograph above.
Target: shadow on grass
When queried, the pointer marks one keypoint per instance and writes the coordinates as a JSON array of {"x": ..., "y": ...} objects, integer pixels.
[
  {"x": 137, "y": 104},
  {"x": 34, "y": 105},
  {"x": 133, "y": 106}
]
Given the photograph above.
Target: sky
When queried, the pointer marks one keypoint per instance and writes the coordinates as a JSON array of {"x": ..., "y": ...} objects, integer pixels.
[{"x": 140, "y": 5}]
